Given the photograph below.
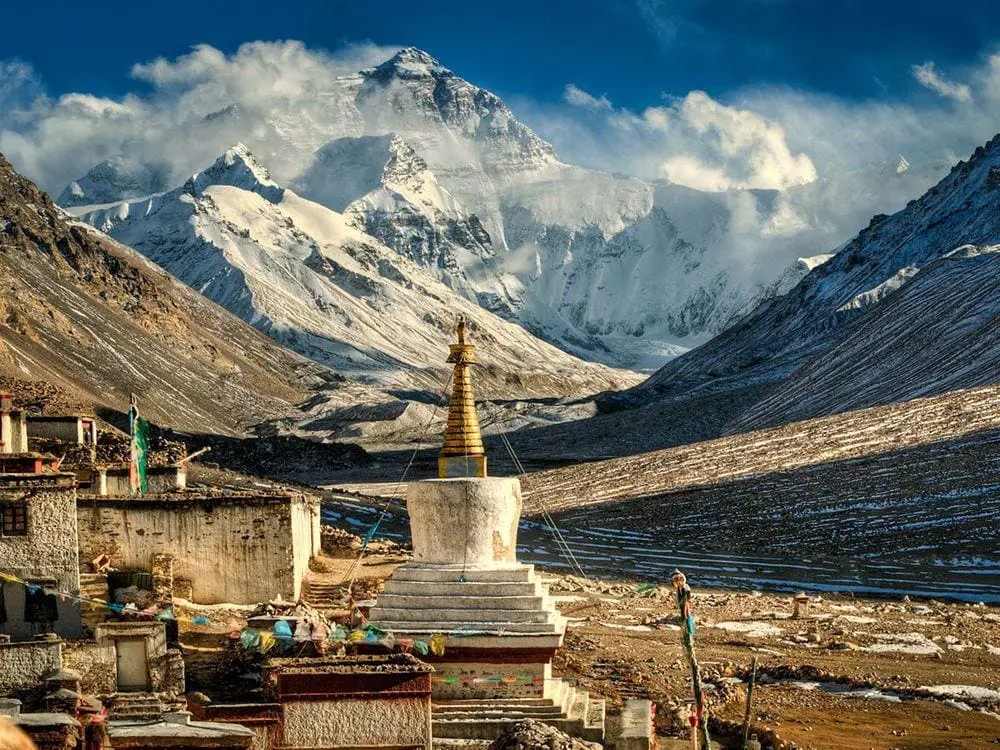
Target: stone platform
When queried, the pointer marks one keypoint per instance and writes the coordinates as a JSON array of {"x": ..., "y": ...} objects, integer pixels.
[
  {"x": 496, "y": 622},
  {"x": 500, "y": 626},
  {"x": 468, "y": 603}
]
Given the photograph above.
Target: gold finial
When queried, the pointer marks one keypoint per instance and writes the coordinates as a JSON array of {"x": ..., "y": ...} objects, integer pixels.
[{"x": 462, "y": 455}]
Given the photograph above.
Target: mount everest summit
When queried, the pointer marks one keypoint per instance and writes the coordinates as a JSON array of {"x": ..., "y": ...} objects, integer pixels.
[{"x": 416, "y": 160}]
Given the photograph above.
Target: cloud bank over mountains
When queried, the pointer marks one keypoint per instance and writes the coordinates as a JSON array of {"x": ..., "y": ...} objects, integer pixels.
[
  {"x": 771, "y": 136},
  {"x": 760, "y": 137}
]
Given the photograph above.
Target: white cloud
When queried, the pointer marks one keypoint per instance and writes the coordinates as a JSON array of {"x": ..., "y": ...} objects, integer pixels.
[
  {"x": 928, "y": 75},
  {"x": 727, "y": 146},
  {"x": 579, "y": 98},
  {"x": 691, "y": 171},
  {"x": 277, "y": 96}
]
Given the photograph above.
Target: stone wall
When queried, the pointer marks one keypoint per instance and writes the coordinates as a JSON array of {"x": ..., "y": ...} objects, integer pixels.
[
  {"x": 240, "y": 549},
  {"x": 13, "y": 432},
  {"x": 357, "y": 722},
  {"x": 95, "y": 664},
  {"x": 305, "y": 521},
  {"x": 47, "y": 554},
  {"x": 23, "y": 665},
  {"x": 159, "y": 480},
  {"x": 67, "y": 429}
]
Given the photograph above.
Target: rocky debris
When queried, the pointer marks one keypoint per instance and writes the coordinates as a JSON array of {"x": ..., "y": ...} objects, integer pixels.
[
  {"x": 339, "y": 543},
  {"x": 278, "y": 457},
  {"x": 41, "y": 397},
  {"x": 534, "y": 735}
]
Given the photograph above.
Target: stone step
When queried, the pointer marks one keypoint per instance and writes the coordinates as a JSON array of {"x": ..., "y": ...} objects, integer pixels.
[
  {"x": 471, "y": 615},
  {"x": 466, "y": 627},
  {"x": 524, "y": 712},
  {"x": 473, "y": 702},
  {"x": 571, "y": 710},
  {"x": 393, "y": 600},
  {"x": 521, "y": 574},
  {"x": 457, "y": 588}
]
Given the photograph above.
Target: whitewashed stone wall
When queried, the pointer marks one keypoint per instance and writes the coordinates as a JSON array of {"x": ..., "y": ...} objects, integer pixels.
[
  {"x": 13, "y": 432},
  {"x": 47, "y": 553},
  {"x": 241, "y": 549},
  {"x": 392, "y": 722},
  {"x": 67, "y": 429},
  {"x": 23, "y": 665}
]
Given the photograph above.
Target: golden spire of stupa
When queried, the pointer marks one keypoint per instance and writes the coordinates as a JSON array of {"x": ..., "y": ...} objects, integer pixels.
[{"x": 462, "y": 455}]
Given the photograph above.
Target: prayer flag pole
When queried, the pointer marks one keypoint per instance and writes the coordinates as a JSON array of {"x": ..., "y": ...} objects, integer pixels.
[
  {"x": 138, "y": 448},
  {"x": 687, "y": 638}
]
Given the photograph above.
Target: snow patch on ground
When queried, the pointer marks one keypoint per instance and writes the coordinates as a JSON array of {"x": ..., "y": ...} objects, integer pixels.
[
  {"x": 753, "y": 629},
  {"x": 903, "y": 643},
  {"x": 964, "y": 692}
]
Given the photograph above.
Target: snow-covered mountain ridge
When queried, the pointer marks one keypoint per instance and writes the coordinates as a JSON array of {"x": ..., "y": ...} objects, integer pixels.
[
  {"x": 907, "y": 308},
  {"x": 610, "y": 268},
  {"x": 312, "y": 280}
]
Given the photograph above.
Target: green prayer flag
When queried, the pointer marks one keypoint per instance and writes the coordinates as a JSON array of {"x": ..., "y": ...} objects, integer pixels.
[{"x": 139, "y": 429}]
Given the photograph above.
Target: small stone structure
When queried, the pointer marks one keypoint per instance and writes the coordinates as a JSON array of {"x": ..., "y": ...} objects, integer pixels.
[
  {"x": 263, "y": 719},
  {"x": 176, "y": 730},
  {"x": 381, "y": 701},
  {"x": 77, "y": 429},
  {"x": 114, "y": 482},
  {"x": 38, "y": 544},
  {"x": 373, "y": 701},
  {"x": 229, "y": 547},
  {"x": 637, "y": 730},
  {"x": 13, "y": 427},
  {"x": 132, "y": 657},
  {"x": 48, "y": 730},
  {"x": 501, "y": 628}
]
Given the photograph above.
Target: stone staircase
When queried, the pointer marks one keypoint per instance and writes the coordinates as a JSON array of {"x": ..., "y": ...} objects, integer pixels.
[
  {"x": 320, "y": 593},
  {"x": 568, "y": 709},
  {"x": 420, "y": 600},
  {"x": 134, "y": 706},
  {"x": 93, "y": 586}
]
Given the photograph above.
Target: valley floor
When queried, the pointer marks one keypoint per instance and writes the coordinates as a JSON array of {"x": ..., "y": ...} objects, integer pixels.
[{"x": 852, "y": 673}]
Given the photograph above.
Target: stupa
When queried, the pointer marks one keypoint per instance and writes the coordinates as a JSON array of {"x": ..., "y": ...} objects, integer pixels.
[{"x": 499, "y": 625}]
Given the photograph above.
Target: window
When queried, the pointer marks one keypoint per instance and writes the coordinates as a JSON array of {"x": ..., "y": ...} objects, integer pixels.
[{"x": 15, "y": 520}]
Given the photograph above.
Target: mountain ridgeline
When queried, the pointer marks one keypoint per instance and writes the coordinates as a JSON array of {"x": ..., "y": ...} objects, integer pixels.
[
  {"x": 908, "y": 308},
  {"x": 610, "y": 269},
  {"x": 87, "y": 314}
]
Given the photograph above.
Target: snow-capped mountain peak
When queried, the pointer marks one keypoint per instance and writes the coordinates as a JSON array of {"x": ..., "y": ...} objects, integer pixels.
[
  {"x": 237, "y": 167},
  {"x": 317, "y": 281},
  {"x": 113, "y": 180},
  {"x": 408, "y": 63}
]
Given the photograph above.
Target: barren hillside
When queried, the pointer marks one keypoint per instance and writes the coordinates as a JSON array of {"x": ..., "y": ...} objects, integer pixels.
[
  {"x": 896, "y": 498},
  {"x": 94, "y": 317}
]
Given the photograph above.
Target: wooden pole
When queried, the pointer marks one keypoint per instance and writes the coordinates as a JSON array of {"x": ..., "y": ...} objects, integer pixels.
[
  {"x": 687, "y": 638},
  {"x": 746, "y": 719}
]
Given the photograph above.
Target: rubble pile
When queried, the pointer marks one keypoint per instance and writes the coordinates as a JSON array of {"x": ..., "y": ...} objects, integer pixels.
[
  {"x": 341, "y": 544},
  {"x": 534, "y": 735}
]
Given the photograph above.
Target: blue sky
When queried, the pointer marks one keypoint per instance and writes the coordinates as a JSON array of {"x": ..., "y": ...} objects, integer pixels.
[
  {"x": 711, "y": 94},
  {"x": 633, "y": 51}
]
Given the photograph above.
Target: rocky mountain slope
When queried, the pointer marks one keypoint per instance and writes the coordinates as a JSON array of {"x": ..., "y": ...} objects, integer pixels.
[
  {"x": 887, "y": 499},
  {"x": 609, "y": 268},
  {"x": 310, "y": 278},
  {"x": 908, "y": 308},
  {"x": 82, "y": 312}
]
